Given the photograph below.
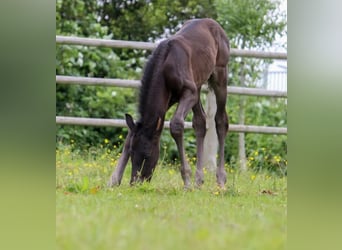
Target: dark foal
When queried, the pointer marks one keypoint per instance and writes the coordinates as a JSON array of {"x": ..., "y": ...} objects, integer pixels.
[{"x": 179, "y": 66}]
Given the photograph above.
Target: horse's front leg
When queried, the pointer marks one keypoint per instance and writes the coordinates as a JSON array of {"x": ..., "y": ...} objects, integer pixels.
[
  {"x": 119, "y": 170},
  {"x": 186, "y": 102}
]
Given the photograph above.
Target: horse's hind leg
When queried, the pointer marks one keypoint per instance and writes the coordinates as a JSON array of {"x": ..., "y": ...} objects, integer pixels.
[
  {"x": 119, "y": 170},
  {"x": 199, "y": 124},
  {"x": 219, "y": 84}
]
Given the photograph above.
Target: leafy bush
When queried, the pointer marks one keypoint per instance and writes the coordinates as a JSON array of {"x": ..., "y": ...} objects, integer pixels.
[{"x": 148, "y": 21}]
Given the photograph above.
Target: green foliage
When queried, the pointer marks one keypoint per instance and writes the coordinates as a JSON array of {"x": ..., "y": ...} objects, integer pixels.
[
  {"x": 261, "y": 111},
  {"x": 254, "y": 24},
  {"x": 152, "y": 17},
  {"x": 126, "y": 20},
  {"x": 249, "y": 24}
]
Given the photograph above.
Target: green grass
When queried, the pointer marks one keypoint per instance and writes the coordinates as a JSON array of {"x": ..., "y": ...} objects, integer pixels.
[{"x": 250, "y": 214}]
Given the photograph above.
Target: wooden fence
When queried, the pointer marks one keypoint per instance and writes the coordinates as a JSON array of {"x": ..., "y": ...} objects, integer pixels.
[
  {"x": 136, "y": 83},
  {"x": 150, "y": 46}
]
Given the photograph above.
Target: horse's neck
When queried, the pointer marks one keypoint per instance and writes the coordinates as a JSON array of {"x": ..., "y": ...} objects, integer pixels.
[
  {"x": 154, "y": 112},
  {"x": 155, "y": 106}
]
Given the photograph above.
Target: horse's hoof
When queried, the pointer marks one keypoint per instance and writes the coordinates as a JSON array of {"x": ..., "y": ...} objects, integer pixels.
[
  {"x": 187, "y": 187},
  {"x": 113, "y": 182},
  {"x": 221, "y": 186},
  {"x": 199, "y": 178},
  {"x": 199, "y": 183}
]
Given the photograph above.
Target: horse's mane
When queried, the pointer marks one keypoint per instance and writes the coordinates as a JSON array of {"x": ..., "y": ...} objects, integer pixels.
[{"x": 151, "y": 71}]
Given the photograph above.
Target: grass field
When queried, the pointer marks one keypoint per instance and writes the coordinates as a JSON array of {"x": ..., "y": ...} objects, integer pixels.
[{"x": 250, "y": 214}]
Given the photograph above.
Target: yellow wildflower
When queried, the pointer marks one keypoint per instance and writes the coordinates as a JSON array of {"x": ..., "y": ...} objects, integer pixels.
[{"x": 277, "y": 158}]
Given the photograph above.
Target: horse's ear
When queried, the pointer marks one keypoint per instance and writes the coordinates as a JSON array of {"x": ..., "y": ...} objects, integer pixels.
[{"x": 130, "y": 122}]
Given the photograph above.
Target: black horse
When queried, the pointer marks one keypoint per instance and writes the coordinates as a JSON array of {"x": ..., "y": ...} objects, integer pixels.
[{"x": 179, "y": 66}]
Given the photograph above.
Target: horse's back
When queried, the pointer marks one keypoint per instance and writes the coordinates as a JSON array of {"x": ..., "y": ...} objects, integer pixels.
[
  {"x": 205, "y": 28},
  {"x": 200, "y": 29},
  {"x": 196, "y": 49}
]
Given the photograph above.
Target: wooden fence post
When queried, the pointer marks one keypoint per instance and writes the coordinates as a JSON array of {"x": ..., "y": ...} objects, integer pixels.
[
  {"x": 210, "y": 140},
  {"x": 242, "y": 148},
  {"x": 242, "y": 105}
]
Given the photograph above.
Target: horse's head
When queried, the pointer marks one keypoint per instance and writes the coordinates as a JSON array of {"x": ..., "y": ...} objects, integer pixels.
[{"x": 144, "y": 149}]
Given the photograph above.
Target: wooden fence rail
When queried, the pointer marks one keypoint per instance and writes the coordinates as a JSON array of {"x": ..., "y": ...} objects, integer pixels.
[
  {"x": 150, "y": 46},
  {"x": 136, "y": 84},
  {"x": 187, "y": 125}
]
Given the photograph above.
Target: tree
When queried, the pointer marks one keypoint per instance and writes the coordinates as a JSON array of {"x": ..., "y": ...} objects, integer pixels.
[
  {"x": 148, "y": 20},
  {"x": 80, "y": 18},
  {"x": 119, "y": 19},
  {"x": 251, "y": 24}
]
